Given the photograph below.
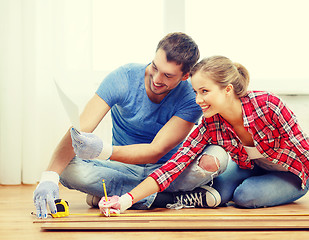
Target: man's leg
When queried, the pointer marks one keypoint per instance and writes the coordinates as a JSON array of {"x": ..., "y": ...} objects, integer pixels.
[{"x": 86, "y": 176}]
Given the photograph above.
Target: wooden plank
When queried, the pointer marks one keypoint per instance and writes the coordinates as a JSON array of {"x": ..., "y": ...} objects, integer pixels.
[
  {"x": 176, "y": 223},
  {"x": 174, "y": 218}
]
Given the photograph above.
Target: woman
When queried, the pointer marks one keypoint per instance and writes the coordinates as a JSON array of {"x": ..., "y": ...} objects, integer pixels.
[{"x": 268, "y": 148}]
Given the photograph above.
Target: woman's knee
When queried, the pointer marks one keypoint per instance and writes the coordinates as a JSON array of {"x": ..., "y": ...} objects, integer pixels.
[
  {"x": 214, "y": 158},
  {"x": 245, "y": 198}
]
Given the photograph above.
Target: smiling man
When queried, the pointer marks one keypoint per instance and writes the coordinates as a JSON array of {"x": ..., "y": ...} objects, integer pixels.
[
  {"x": 152, "y": 108},
  {"x": 163, "y": 76}
]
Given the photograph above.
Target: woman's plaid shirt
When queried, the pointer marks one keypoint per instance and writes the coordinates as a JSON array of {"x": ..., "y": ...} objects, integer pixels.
[{"x": 276, "y": 134}]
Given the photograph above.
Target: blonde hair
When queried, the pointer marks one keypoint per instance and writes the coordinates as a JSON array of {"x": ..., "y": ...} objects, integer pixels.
[{"x": 224, "y": 72}]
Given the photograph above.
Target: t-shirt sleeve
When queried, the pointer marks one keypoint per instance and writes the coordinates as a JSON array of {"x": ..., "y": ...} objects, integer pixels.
[
  {"x": 189, "y": 110},
  {"x": 114, "y": 87}
]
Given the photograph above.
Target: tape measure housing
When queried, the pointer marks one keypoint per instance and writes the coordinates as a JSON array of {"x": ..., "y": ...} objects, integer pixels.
[{"x": 62, "y": 208}]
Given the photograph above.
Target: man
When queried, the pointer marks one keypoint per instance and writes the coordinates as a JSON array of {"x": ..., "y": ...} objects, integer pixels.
[{"x": 153, "y": 109}]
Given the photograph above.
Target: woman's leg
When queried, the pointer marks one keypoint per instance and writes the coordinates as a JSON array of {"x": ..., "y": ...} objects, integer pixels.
[
  {"x": 227, "y": 182},
  {"x": 195, "y": 176},
  {"x": 270, "y": 189},
  {"x": 190, "y": 188}
]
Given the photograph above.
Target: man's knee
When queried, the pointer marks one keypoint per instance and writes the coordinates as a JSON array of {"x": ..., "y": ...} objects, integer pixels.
[{"x": 75, "y": 174}]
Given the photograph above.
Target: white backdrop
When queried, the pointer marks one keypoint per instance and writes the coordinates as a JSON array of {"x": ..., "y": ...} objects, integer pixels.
[
  {"x": 77, "y": 42},
  {"x": 269, "y": 37},
  {"x": 43, "y": 40}
]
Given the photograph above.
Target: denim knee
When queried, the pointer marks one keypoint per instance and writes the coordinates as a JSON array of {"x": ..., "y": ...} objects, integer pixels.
[
  {"x": 271, "y": 189},
  {"x": 76, "y": 174},
  {"x": 246, "y": 198},
  {"x": 219, "y": 153}
]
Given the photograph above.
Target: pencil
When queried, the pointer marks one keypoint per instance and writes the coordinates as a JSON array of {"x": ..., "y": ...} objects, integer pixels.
[{"x": 105, "y": 193}]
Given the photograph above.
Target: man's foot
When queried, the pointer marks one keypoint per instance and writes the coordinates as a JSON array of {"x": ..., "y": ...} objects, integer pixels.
[
  {"x": 93, "y": 201},
  {"x": 202, "y": 197}
]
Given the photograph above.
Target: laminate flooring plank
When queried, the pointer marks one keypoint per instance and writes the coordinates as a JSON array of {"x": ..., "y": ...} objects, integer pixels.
[{"x": 176, "y": 223}]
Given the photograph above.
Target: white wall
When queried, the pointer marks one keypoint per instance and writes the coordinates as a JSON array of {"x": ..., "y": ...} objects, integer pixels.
[
  {"x": 54, "y": 39},
  {"x": 269, "y": 37},
  {"x": 11, "y": 99},
  {"x": 42, "y": 41}
]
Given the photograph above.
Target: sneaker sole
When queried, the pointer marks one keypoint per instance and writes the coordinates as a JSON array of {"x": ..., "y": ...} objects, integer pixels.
[
  {"x": 213, "y": 198},
  {"x": 92, "y": 201}
]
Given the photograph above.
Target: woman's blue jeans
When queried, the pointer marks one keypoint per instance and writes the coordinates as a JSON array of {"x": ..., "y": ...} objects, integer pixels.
[{"x": 258, "y": 187}]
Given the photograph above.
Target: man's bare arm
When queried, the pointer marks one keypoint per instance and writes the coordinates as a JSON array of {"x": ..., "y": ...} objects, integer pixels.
[
  {"x": 94, "y": 112},
  {"x": 171, "y": 134}
]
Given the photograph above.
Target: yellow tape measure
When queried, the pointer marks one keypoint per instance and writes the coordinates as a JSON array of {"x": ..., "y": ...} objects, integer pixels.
[
  {"x": 62, "y": 208},
  {"x": 63, "y": 211}
]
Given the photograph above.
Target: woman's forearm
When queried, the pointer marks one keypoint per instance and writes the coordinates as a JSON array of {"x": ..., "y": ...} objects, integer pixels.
[{"x": 144, "y": 189}]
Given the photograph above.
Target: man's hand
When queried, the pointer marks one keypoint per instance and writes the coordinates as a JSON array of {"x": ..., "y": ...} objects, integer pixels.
[
  {"x": 115, "y": 204},
  {"x": 46, "y": 193},
  {"x": 86, "y": 145},
  {"x": 89, "y": 146}
]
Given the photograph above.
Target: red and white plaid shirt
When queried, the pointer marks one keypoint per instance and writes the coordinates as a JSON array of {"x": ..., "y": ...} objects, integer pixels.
[{"x": 276, "y": 134}]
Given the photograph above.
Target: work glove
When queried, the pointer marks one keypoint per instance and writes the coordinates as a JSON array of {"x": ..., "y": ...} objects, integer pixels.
[
  {"x": 46, "y": 193},
  {"x": 115, "y": 204},
  {"x": 89, "y": 146}
]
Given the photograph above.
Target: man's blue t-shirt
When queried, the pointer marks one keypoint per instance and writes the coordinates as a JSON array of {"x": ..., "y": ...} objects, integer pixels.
[{"x": 135, "y": 118}]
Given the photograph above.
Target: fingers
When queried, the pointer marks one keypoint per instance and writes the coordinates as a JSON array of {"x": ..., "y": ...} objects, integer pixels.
[
  {"x": 41, "y": 210},
  {"x": 51, "y": 204},
  {"x": 105, "y": 206},
  {"x": 105, "y": 211},
  {"x": 75, "y": 130},
  {"x": 108, "y": 211},
  {"x": 111, "y": 201},
  {"x": 41, "y": 206},
  {"x": 38, "y": 208},
  {"x": 76, "y": 136}
]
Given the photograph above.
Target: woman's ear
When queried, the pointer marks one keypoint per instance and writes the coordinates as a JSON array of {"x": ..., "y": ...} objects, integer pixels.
[{"x": 229, "y": 89}]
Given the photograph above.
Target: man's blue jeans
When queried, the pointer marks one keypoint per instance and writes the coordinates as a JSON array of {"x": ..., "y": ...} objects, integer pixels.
[
  {"x": 258, "y": 187},
  {"x": 120, "y": 178}
]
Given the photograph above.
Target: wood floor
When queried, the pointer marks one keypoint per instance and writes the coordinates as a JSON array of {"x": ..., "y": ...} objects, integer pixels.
[{"x": 283, "y": 222}]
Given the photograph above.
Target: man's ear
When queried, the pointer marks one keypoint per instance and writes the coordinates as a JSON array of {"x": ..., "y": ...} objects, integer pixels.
[{"x": 185, "y": 77}]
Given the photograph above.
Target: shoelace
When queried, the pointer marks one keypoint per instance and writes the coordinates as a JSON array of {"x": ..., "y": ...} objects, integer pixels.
[{"x": 187, "y": 201}]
